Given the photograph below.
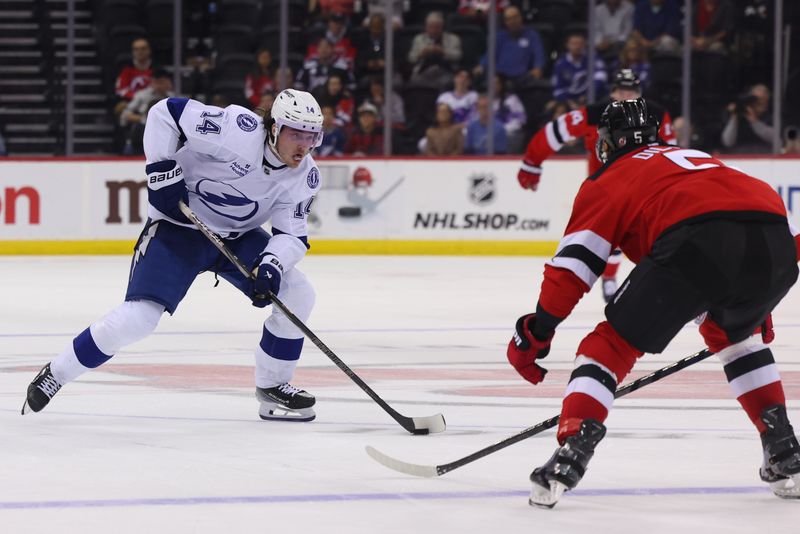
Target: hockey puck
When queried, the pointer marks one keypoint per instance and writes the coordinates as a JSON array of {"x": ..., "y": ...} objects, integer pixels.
[
  {"x": 350, "y": 211},
  {"x": 421, "y": 431}
]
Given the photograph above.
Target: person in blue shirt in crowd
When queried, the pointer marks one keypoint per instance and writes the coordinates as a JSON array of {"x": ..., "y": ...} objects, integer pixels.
[
  {"x": 657, "y": 25},
  {"x": 520, "y": 53},
  {"x": 478, "y": 131},
  {"x": 571, "y": 72}
]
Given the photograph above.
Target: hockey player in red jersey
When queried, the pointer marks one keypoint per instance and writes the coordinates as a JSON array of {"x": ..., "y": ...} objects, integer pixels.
[
  {"x": 704, "y": 236},
  {"x": 582, "y": 123}
]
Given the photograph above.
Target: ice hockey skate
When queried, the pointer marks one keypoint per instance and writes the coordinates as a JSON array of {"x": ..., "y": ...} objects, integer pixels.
[
  {"x": 285, "y": 402},
  {"x": 566, "y": 467},
  {"x": 40, "y": 391},
  {"x": 781, "y": 467}
]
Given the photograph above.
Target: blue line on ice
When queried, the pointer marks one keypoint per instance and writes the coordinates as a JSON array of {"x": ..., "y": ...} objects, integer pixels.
[{"x": 350, "y": 497}]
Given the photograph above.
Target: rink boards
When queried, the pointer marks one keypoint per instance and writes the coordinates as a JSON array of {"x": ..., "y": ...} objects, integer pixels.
[{"x": 407, "y": 206}]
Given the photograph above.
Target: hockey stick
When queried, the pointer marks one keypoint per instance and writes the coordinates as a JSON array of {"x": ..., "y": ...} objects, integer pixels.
[
  {"x": 416, "y": 425},
  {"x": 439, "y": 470}
]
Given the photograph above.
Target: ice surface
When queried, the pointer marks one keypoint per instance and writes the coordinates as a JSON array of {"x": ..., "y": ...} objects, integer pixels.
[{"x": 165, "y": 438}]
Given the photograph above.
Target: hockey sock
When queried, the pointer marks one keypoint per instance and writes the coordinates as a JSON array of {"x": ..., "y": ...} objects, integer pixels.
[
  {"x": 589, "y": 395},
  {"x": 276, "y": 359},
  {"x": 753, "y": 376},
  {"x": 612, "y": 265},
  {"x": 128, "y": 322}
]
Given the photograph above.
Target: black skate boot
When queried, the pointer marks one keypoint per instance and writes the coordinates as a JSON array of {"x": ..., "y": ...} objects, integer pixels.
[
  {"x": 781, "y": 467},
  {"x": 566, "y": 467},
  {"x": 40, "y": 391},
  {"x": 285, "y": 402}
]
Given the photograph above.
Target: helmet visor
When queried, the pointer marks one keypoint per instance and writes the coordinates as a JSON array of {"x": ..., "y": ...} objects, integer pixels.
[{"x": 303, "y": 138}]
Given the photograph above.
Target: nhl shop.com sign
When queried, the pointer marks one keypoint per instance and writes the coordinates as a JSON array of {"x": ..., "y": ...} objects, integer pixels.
[{"x": 481, "y": 191}]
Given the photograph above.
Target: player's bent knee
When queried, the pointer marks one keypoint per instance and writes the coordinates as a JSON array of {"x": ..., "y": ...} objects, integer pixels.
[{"x": 129, "y": 322}]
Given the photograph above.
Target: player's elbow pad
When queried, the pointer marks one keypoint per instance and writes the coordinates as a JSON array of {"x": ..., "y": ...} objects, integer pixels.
[{"x": 166, "y": 187}]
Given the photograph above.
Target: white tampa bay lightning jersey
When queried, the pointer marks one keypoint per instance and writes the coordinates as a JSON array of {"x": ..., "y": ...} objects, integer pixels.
[{"x": 235, "y": 183}]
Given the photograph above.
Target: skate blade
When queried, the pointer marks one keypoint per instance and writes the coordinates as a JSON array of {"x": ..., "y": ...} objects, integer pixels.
[
  {"x": 788, "y": 488},
  {"x": 26, "y": 409},
  {"x": 546, "y": 497},
  {"x": 275, "y": 413}
]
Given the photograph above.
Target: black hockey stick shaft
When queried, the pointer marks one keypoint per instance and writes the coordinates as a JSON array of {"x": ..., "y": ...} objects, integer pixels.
[
  {"x": 553, "y": 421},
  {"x": 406, "y": 422}
]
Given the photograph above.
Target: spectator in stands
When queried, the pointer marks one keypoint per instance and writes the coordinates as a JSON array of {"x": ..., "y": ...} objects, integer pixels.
[
  {"x": 336, "y": 34},
  {"x": 510, "y": 113},
  {"x": 315, "y": 72},
  {"x": 136, "y": 76},
  {"x": 334, "y": 138},
  {"x": 328, "y": 7},
  {"x": 375, "y": 97},
  {"x": 519, "y": 52},
  {"x": 371, "y": 52},
  {"x": 367, "y": 138},
  {"x": 133, "y": 117},
  {"x": 478, "y": 132},
  {"x": 478, "y": 10},
  {"x": 283, "y": 79},
  {"x": 261, "y": 79},
  {"x": 335, "y": 94},
  {"x": 462, "y": 99},
  {"x": 749, "y": 127},
  {"x": 378, "y": 7},
  {"x": 265, "y": 103},
  {"x": 657, "y": 25},
  {"x": 634, "y": 56},
  {"x": 571, "y": 72},
  {"x": 791, "y": 140},
  {"x": 445, "y": 137},
  {"x": 434, "y": 53},
  {"x": 713, "y": 26},
  {"x": 683, "y": 138},
  {"x": 613, "y": 26}
]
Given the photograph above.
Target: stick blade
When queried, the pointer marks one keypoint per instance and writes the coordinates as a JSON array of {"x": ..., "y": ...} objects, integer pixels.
[
  {"x": 433, "y": 424},
  {"x": 417, "y": 470}
]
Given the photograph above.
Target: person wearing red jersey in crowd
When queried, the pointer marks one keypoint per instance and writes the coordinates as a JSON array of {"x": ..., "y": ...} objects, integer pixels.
[
  {"x": 136, "y": 76},
  {"x": 583, "y": 123},
  {"x": 337, "y": 36},
  {"x": 705, "y": 237},
  {"x": 261, "y": 79}
]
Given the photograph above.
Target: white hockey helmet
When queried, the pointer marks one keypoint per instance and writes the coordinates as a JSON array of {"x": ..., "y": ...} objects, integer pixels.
[{"x": 298, "y": 110}]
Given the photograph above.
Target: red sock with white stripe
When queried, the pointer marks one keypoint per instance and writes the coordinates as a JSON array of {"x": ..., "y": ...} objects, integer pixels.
[
  {"x": 589, "y": 395},
  {"x": 753, "y": 377}
]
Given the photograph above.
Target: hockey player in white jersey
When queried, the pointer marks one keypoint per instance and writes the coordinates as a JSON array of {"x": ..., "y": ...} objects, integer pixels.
[{"x": 236, "y": 171}]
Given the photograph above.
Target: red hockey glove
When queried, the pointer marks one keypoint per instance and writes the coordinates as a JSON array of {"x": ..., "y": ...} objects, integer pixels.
[
  {"x": 524, "y": 349},
  {"x": 529, "y": 175},
  {"x": 767, "y": 332}
]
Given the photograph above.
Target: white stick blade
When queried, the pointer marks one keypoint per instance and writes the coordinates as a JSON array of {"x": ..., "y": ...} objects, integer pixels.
[
  {"x": 434, "y": 423},
  {"x": 400, "y": 466}
]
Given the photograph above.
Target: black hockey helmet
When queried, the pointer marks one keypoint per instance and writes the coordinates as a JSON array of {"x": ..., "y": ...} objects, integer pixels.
[
  {"x": 623, "y": 125},
  {"x": 626, "y": 79}
]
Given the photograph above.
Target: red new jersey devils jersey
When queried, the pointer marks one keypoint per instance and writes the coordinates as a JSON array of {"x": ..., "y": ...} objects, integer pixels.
[
  {"x": 633, "y": 200},
  {"x": 583, "y": 123}
]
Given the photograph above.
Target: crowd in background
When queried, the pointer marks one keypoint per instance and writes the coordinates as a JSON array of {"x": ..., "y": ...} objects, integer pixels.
[{"x": 440, "y": 102}]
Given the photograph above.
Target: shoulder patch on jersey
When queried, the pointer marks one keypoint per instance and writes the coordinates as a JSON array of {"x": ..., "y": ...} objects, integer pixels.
[
  {"x": 246, "y": 122},
  {"x": 313, "y": 178}
]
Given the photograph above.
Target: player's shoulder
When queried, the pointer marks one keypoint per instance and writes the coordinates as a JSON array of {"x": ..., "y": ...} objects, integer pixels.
[
  {"x": 233, "y": 131},
  {"x": 310, "y": 175}
]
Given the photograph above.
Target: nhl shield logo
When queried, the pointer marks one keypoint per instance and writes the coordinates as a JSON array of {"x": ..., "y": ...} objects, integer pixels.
[
  {"x": 482, "y": 188},
  {"x": 313, "y": 178}
]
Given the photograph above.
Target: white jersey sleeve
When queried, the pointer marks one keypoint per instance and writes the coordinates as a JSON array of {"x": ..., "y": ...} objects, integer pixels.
[{"x": 210, "y": 130}]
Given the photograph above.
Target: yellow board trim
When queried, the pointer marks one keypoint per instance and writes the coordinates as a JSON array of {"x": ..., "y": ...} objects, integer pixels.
[{"x": 319, "y": 246}]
